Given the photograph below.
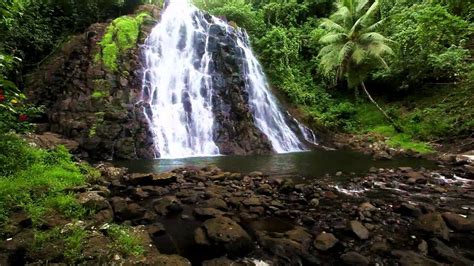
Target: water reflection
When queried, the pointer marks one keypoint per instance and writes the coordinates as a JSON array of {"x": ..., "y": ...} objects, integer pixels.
[{"x": 304, "y": 164}]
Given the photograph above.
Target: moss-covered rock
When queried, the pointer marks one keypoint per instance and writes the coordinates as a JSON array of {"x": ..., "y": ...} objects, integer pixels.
[
  {"x": 121, "y": 36},
  {"x": 92, "y": 85}
]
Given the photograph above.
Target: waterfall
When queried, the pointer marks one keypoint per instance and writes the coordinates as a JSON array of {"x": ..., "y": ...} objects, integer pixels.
[
  {"x": 178, "y": 87},
  {"x": 182, "y": 118},
  {"x": 266, "y": 111}
]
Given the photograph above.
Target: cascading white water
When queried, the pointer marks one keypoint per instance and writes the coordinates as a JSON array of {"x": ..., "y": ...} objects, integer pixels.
[
  {"x": 267, "y": 114},
  {"x": 179, "y": 88},
  {"x": 182, "y": 119}
]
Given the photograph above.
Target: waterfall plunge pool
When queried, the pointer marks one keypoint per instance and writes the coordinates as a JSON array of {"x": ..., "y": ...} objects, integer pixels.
[{"x": 298, "y": 165}]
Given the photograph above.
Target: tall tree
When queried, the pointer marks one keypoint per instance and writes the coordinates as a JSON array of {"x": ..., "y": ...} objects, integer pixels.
[{"x": 353, "y": 47}]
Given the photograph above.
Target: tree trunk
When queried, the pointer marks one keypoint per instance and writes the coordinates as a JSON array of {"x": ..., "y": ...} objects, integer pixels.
[{"x": 395, "y": 125}]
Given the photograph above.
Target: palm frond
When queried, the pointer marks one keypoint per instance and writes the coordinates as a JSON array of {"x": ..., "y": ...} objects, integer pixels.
[
  {"x": 379, "y": 49},
  {"x": 346, "y": 52},
  {"x": 328, "y": 62},
  {"x": 382, "y": 61},
  {"x": 361, "y": 5},
  {"x": 329, "y": 49},
  {"x": 358, "y": 55},
  {"x": 375, "y": 26},
  {"x": 341, "y": 14},
  {"x": 372, "y": 9},
  {"x": 333, "y": 38},
  {"x": 369, "y": 37},
  {"x": 330, "y": 25}
]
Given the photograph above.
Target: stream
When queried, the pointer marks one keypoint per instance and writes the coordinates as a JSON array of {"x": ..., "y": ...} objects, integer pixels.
[{"x": 299, "y": 166}]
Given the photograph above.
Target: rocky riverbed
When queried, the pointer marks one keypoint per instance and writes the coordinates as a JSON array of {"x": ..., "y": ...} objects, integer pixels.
[{"x": 206, "y": 216}]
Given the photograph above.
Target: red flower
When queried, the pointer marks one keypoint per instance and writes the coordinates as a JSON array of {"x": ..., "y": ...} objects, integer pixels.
[
  {"x": 23, "y": 118},
  {"x": 2, "y": 98}
]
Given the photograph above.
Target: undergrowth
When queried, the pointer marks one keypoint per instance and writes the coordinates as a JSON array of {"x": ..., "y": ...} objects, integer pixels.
[
  {"x": 36, "y": 180},
  {"x": 125, "y": 241},
  {"x": 433, "y": 114}
]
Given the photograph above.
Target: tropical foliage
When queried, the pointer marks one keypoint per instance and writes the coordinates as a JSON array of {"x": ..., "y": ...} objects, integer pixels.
[{"x": 352, "y": 46}]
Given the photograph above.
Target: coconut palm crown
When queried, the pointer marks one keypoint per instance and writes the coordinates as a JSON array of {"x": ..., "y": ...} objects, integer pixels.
[{"x": 352, "y": 46}]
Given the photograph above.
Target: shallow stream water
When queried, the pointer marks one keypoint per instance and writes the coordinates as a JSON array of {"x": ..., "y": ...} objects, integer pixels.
[{"x": 298, "y": 165}]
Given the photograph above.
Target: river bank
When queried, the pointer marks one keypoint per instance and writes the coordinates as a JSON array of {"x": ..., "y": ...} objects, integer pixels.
[{"x": 205, "y": 215}]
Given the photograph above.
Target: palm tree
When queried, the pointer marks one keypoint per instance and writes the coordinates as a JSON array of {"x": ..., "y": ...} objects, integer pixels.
[{"x": 352, "y": 46}]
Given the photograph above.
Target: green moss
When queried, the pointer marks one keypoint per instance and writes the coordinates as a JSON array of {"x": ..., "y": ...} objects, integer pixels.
[
  {"x": 110, "y": 54},
  {"x": 102, "y": 89},
  {"x": 96, "y": 95},
  {"x": 121, "y": 36},
  {"x": 99, "y": 120},
  {"x": 125, "y": 241}
]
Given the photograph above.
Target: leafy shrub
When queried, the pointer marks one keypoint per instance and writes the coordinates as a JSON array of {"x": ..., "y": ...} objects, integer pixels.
[
  {"x": 339, "y": 116},
  {"x": 431, "y": 45}
]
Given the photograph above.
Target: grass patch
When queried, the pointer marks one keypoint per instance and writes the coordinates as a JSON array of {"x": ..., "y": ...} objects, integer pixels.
[
  {"x": 36, "y": 180},
  {"x": 71, "y": 241},
  {"x": 370, "y": 120},
  {"x": 125, "y": 241}
]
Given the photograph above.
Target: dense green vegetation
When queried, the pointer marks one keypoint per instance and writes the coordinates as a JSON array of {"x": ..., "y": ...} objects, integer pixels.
[
  {"x": 414, "y": 55},
  {"x": 403, "y": 50},
  {"x": 401, "y": 69},
  {"x": 38, "y": 181}
]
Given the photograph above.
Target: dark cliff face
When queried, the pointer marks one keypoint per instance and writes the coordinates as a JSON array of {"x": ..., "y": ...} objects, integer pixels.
[
  {"x": 101, "y": 109},
  {"x": 235, "y": 130},
  {"x": 89, "y": 103}
]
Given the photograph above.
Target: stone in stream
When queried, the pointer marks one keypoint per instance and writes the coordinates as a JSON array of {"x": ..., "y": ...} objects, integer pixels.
[
  {"x": 252, "y": 201},
  {"x": 222, "y": 232},
  {"x": 433, "y": 224},
  {"x": 207, "y": 213},
  {"x": 153, "y": 179},
  {"x": 442, "y": 251},
  {"x": 93, "y": 200},
  {"x": 280, "y": 246},
  {"x": 410, "y": 258},
  {"x": 222, "y": 261},
  {"x": 168, "y": 205},
  {"x": 354, "y": 258},
  {"x": 409, "y": 210},
  {"x": 458, "y": 223},
  {"x": 255, "y": 174},
  {"x": 415, "y": 178},
  {"x": 156, "y": 229},
  {"x": 314, "y": 202},
  {"x": 300, "y": 236},
  {"x": 325, "y": 241},
  {"x": 170, "y": 260},
  {"x": 216, "y": 203},
  {"x": 265, "y": 189},
  {"x": 359, "y": 229},
  {"x": 367, "y": 206},
  {"x": 200, "y": 237}
]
